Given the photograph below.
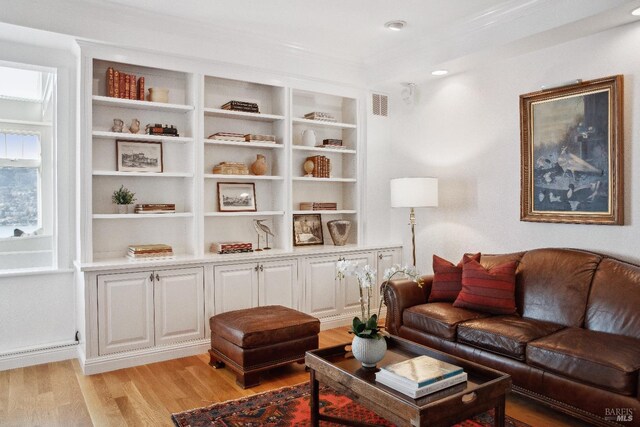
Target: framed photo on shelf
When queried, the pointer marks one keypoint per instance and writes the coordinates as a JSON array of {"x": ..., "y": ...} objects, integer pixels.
[
  {"x": 307, "y": 230},
  {"x": 572, "y": 153},
  {"x": 236, "y": 197},
  {"x": 135, "y": 156}
]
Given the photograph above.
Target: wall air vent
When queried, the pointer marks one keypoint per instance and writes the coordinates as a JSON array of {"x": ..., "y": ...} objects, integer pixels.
[{"x": 380, "y": 105}]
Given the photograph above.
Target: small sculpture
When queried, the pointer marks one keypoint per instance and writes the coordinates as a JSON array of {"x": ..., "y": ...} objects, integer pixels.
[
  {"x": 261, "y": 228},
  {"x": 339, "y": 231},
  {"x": 135, "y": 126},
  {"x": 308, "y": 167},
  {"x": 117, "y": 125}
]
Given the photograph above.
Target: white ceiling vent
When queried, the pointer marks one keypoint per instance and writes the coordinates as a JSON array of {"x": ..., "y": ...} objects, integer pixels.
[{"x": 380, "y": 105}]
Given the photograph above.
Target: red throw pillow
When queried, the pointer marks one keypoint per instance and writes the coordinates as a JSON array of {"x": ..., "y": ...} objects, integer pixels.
[
  {"x": 489, "y": 291},
  {"x": 447, "y": 278}
]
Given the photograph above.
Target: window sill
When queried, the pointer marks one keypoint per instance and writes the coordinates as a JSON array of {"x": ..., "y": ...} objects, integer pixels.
[{"x": 38, "y": 271}]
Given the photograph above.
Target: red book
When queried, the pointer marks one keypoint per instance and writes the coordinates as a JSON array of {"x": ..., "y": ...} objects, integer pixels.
[
  {"x": 127, "y": 86},
  {"x": 122, "y": 87},
  {"x": 141, "y": 88},
  {"x": 133, "y": 94},
  {"x": 110, "y": 81},
  {"x": 116, "y": 84}
]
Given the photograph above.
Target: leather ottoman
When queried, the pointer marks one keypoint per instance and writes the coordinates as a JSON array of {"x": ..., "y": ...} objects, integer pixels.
[{"x": 253, "y": 340}]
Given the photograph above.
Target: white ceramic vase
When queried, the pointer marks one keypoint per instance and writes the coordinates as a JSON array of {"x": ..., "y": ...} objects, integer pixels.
[{"x": 368, "y": 351}]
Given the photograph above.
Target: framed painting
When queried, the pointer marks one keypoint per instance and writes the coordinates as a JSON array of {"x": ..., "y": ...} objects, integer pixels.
[
  {"x": 135, "y": 156},
  {"x": 236, "y": 197},
  {"x": 572, "y": 153},
  {"x": 307, "y": 230}
]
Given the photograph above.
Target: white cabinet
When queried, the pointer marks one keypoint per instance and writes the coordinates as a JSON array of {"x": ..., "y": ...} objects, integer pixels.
[
  {"x": 125, "y": 318},
  {"x": 152, "y": 308},
  {"x": 386, "y": 259},
  {"x": 328, "y": 296},
  {"x": 255, "y": 284}
]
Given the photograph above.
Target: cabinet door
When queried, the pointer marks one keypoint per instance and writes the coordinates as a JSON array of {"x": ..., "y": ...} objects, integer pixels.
[
  {"x": 235, "y": 287},
  {"x": 350, "y": 292},
  {"x": 278, "y": 283},
  {"x": 125, "y": 312},
  {"x": 179, "y": 305},
  {"x": 321, "y": 286},
  {"x": 386, "y": 259}
]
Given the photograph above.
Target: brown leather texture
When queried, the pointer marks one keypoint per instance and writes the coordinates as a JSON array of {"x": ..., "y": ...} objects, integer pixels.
[
  {"x": 605, "y": 360},
  {"x": 438, "y": 318},
  {"x": 263, "y": 326},
  {"x": 553, "y": 285},
  {"x": 505, "y": 335},
  {"x": 401, "y": 294},
  {"x": 614, "y": 300}
]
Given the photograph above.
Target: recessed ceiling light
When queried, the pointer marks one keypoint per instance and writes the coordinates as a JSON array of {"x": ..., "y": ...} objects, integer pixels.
[
  {"x": 439, "y": 72},
  {"x": 636, "y": 12},
  {"x": 395, "y": 25}
]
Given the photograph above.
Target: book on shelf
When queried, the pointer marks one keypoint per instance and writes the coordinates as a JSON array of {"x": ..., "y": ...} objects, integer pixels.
[
  {"x": 110, "y": 87},
  {"x": 231, "y": 168},
  {"x": 250, "y": 137},
  {"x": 420, "y": 371},
  {"x": 122, "y": 85},
  {"x": 149, "y": 251},
  {"x": 147, "y": 208},
  {"x": 141, "y": 89},
  {"x": 417, "y": 392},
  {"x": 127, "y": 86},
  {"x": 319, "y": 115},
  {"x": 231, "y": 247},
  {"x": 322, "y": 166},
  {"x": 330, "y": 141},
  {"x": 133, "y": 88},
  {"x": 249, "y": 107},
  {"x": 318, "y": 206},
  {"x": 116, "y": 84},
  {"x": 339, "y": 147},
  {"x": 228, "y": 136}
]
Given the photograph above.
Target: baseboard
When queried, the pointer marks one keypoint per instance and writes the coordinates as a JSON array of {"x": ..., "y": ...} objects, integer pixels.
[
  {"x": 38, "y": 356},
  {"x": 115, "y": 361}
]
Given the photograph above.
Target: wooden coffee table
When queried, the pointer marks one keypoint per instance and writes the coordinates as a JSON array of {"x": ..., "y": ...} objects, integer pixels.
[{"x": 486, "y": 388}]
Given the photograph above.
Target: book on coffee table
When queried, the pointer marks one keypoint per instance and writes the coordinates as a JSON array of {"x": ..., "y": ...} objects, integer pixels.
[
  {"x": 417, "y": 392},
  {"x": 419, "y": 371}
]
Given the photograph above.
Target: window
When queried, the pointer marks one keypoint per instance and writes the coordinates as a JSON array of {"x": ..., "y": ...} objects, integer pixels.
[{"x": 27, "y": 178}]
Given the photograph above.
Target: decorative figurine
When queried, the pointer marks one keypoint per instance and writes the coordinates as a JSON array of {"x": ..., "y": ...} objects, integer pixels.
[
  {"x": 259, "y": 167},
  {"x": 308, "y": 167},
  {"x": 135, "y": 126},
  {"x": 261, "y": 228},
  {"x": 117, "y": 125}
]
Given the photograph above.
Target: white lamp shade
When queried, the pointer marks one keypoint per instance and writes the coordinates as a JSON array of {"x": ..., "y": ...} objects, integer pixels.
[{"x": 414, "y": 192}]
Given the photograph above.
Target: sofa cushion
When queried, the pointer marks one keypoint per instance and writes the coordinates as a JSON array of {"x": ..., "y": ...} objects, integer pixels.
[
  {"x": 438, "y": 318},
  {"x": 604, "y": 360},
  {"x": 490, "y": 291},
  {"x": 505, "y": 335},
  {"x": 447, "y": 278}
]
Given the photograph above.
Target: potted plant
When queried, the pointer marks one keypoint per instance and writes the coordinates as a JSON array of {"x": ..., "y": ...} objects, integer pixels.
[
  {"x": 368, "y": 345},
  {"x": 122, "y": 197}
]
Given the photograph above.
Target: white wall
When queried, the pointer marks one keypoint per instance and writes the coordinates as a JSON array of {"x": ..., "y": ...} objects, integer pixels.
[
  {"x": 37, "y": 310},
  {"x": 465, "y": 130}
]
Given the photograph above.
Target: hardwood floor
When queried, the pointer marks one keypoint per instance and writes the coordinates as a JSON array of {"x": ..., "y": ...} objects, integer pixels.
[{"x": 58, "y": 394}]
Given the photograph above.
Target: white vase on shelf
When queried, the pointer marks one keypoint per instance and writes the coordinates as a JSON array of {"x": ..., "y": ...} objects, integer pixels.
[{"x": 309, "y": 138}]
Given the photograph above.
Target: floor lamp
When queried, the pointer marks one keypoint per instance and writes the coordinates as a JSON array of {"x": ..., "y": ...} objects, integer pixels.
[{"x": 414, "y": 193}]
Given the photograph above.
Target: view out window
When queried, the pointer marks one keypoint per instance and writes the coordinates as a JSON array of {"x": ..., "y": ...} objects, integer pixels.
[{"x": 19, "y": 183}]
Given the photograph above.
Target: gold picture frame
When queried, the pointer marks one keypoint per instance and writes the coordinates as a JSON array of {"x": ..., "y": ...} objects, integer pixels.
[{"x": 572, "y": 153}]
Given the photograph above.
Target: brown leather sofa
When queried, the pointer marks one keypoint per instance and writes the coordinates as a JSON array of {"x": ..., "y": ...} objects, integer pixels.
[{"x": 574, "y": 345}]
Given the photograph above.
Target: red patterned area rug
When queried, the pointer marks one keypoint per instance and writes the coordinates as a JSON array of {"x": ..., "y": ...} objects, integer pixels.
[{"x": 289, "y": 406}]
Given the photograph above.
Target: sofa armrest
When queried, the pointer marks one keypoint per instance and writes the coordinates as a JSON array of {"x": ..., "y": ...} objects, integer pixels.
[{"x": 402, "y": 294}]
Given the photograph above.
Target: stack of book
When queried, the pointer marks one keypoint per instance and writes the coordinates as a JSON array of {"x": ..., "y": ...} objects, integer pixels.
[
  {"x": 318, "y": 115},
  {"x": 231, "y": 168},
  {"x": 247, "y": 107},
  {"x": 332, "y": 142},
  {"x": 159, "y": 129},
  {"x": 322, "y": 166},
  {"x": 231, "y": 247},
  {"x": 228, "y": 136},
  {"x": 250, "y": 137},
  {"x": 149, "y": 251},
  {"x": 318, "y": 206},
  {"x": 420, "y": 376},
  {"x": 122, "y": 85},
  {"x": 154, "y": 208}
]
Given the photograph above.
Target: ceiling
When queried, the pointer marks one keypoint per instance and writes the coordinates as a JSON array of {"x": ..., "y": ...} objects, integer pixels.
[{"x": 438, "y": 34}]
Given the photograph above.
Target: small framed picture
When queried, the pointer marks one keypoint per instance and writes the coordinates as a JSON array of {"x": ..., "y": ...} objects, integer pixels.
[
  {"x": 236, "y": 197},
  {"x": 135, "y": 156},
  {"x": 307, "y": 230}
]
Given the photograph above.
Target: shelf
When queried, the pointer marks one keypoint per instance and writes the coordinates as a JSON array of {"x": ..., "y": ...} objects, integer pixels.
[
  {"x": 324, "y": 212},
  {"x": 242, "y": 177},
  {"x": 140, "y": 105},
  {"x": 143, "y": 216},
  {"x": 233, "y": 214},
  {"x": 323, "y": 123},
  {"x": 324, "y": 150},
  {"x": 98, "y": 134},
  {"x": 145, "y": 174},
  {"x": 243, "y": 143},
  {"x": 218, "y": 112},
  {"x": 312, "y": 179}
]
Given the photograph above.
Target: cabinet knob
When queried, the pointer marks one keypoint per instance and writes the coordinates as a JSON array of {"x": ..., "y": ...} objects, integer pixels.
[
  {"x": 151, "y": 277},
  {"x": 379, "y": 256},
  {"x": 157, "y": 277},
  {"x": 261, "y": 267},
  {"x": 255, "y": 268}
]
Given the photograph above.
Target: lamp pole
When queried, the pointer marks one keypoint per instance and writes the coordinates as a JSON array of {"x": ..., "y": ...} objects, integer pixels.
[{"x": 412, "y": 223}]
